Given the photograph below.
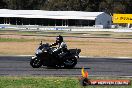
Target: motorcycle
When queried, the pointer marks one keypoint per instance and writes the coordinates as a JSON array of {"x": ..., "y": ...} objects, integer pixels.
[{"x": 45, "y": 56}]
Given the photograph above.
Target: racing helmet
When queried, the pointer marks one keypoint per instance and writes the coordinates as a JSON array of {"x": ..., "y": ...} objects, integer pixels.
[{"x": 59, "y": 39}]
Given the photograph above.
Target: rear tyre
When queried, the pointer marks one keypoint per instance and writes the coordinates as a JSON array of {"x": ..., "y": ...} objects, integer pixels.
[
  {"x": 36, "y": 62},
  {"x": 70, "y": 62}
]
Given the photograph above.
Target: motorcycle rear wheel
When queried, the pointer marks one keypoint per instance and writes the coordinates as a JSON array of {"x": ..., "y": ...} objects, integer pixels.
[
  {"x": 35, "y": 63},
  {"x": 70, "y": 62}
]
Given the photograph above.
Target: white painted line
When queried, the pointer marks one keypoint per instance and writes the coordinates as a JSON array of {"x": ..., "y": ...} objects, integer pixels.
[
  {"x": 17, "y": 55},
  {"x": 110, "y": 76},
  {"x": 79, "y": 56},
  {"x": 106, "y": 57}
]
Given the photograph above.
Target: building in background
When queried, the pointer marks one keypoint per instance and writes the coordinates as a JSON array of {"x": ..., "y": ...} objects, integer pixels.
[{"x": 55, "y": 18}]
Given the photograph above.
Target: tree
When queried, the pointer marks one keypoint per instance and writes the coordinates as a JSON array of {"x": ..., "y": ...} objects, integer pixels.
[
  {"x": 128, "y": 6},
  {"x": 27, "y": 4},
  {"x": 36, "y": 4},
  {"x": 3, "y": 4},
  {"x": 119, "y": 8},
  {"x": 106, "y": 6},
  {"x": 55, "y": 5}
]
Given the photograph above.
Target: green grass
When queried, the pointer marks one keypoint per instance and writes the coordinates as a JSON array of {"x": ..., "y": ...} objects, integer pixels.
[
  {"x": 48, "y": 82},
  {"x": 76, "y": 34},
  {"x": 38, "y": 82},
  {"x": 14, "y": 40},
  {"x": 65, "y": 33}
]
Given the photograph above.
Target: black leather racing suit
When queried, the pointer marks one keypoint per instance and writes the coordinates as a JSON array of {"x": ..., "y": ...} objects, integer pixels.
[{"x": 61, "y": 49}]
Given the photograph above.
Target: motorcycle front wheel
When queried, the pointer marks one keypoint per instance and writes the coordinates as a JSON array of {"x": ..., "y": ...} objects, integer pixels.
[{"x": 36, "y": 62}]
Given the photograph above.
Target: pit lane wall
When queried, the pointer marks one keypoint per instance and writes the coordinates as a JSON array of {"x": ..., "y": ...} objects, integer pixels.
[
  {"x": 60, "y": 28},
  {"x": 109, "y": 30}
]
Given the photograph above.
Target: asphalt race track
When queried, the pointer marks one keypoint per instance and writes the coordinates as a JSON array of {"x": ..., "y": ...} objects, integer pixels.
[{"x": 19, "y": 66}]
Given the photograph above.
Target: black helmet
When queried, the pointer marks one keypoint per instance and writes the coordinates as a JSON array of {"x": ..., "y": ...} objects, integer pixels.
[{"x": 59, "y": 39}]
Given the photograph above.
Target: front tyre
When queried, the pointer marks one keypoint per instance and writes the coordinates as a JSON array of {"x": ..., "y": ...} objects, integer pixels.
[
  {"x": 70, "y": 62},
  {"x": 36, "y": 62}
]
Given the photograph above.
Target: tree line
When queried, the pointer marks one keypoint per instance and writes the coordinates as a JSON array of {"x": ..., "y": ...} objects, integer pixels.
[{"x": 108, "y": 6}]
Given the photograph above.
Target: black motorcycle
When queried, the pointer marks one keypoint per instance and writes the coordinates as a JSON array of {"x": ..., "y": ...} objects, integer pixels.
[{"x": 45, "y": 56}]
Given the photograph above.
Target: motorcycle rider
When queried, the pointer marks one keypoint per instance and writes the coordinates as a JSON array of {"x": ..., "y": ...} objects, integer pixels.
[{"x": 62, "y": 47}]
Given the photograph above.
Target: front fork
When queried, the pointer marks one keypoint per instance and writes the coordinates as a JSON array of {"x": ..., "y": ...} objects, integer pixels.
[{"x": 34, "y": 57}]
